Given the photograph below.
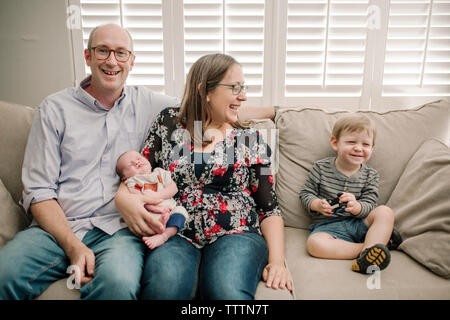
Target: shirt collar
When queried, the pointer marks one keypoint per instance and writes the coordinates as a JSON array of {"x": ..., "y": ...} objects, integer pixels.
[
  {"x": 356, "y": 175},
  {"x": 90, "y": 101}
]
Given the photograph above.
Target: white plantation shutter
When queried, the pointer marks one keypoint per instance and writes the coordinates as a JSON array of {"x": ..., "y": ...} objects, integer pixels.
[
  {"x": 353, "y": 54},
  {"x": 325, "y": 48},
  {"x": 233, "y": 27},
  {"x": 143, "y": 18},
  {"x": 417, "y": 58}
]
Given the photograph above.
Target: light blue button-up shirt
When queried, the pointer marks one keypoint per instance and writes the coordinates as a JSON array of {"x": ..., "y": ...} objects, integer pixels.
[{"x": 73, "y": 147}]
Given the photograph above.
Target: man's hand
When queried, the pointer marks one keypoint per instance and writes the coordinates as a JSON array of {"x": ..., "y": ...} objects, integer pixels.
[
  {"x": 133, "y": 212},
  {"x": 82, "y": 257}
]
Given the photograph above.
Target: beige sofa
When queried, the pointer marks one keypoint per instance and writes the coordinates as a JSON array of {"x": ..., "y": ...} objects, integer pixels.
[{"x": 413, "y": 159}]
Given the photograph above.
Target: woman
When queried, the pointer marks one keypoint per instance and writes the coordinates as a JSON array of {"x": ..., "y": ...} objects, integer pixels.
[{"x": 234, "y": 233}]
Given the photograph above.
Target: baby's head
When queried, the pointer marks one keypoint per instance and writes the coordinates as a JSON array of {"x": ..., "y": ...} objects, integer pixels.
[
  {"x": 353, "y": 137},
  {"x": 131, "y": 163}
]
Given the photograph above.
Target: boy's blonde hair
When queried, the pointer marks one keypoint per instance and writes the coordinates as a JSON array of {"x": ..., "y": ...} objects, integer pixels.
[{"x": 352, "y": 123}]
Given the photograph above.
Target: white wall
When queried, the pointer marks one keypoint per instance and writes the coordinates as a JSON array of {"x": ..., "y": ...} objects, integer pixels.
[{"x": 35, "y": 50}]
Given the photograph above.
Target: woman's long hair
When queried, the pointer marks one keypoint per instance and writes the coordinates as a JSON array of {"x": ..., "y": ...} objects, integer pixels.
[{"x": 202, "y": 78}]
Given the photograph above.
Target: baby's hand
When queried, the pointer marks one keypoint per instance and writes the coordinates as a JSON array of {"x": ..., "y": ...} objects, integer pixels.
[{"x": 157, "y": 208}]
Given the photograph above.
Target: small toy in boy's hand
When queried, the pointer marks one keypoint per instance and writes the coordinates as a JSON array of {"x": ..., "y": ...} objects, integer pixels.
[{"x": 338, "y": 208}]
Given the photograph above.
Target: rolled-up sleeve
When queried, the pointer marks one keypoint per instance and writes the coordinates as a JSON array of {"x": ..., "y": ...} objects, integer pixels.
[{"x": 41, "y": 165}]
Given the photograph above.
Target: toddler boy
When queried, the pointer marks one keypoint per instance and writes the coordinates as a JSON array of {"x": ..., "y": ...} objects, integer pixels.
[{"x": 354, "y": 228}]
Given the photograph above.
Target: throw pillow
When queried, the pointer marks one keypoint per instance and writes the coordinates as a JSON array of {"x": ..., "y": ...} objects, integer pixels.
[
  {"x": 421, "y": 204},
  {"x": 12, "y": 217}
]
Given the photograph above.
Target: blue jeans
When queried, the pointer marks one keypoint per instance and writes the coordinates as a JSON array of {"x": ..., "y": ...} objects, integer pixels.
[
  {"x": 33, "y": 260},
  {"x": 228, "y": 269}
]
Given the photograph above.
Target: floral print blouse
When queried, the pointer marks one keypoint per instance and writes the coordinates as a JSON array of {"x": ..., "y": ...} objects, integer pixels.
[{"x": 233, "y": 193}]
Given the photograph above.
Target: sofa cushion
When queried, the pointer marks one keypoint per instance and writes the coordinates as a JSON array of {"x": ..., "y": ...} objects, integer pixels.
[
  {"x": 304, "y": 135},
  {"x": 12, "y": 217},
  {"x": 15, "y": 123},
  {"x": 59, "y": 290},
  {"x": 264, "y": 293},
  {"x": 327, "y": 279},
  {"x": 421, "y": 202}
]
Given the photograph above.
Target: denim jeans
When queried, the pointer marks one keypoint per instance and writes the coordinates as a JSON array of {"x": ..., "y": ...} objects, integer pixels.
[
  {"x": 31, "y": 261},
  {"x": 228, "y": 269}
]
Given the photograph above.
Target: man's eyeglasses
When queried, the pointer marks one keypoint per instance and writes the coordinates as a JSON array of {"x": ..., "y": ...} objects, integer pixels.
[
  {"x": 103, "y": 53},
  {"x": 235, "y": 88}
]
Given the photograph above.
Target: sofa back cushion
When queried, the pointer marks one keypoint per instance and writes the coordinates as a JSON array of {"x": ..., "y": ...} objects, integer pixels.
[
  {"x": 304, "y": 135},
  {"x": 15, "y": 124}
]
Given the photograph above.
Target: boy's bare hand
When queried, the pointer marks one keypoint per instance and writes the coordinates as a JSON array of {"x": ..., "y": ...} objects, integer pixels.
[
  {"x": 322, "y": 206},
  {"x": 347, "y": 197},
  {"x": 353, "y": 205}
]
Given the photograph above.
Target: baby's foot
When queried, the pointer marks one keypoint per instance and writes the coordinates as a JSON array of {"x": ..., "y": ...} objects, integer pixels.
[{"x": 155, "y": 241}]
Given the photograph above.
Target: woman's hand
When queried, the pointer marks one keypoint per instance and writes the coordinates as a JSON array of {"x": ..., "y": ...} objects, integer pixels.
[
  {"x": 277, "y": 276},
  {"x": 131, "y": 208}
]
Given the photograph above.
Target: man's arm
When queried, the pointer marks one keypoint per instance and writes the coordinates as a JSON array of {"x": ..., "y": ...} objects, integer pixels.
[
  {"x": 51, "y": 218},
  {"x": 248, "y": 113},
  {"x": 40, "y": 173}
]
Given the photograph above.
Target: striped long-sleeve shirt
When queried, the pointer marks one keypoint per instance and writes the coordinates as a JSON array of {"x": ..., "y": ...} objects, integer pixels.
[{"x": 325, "y": 181}]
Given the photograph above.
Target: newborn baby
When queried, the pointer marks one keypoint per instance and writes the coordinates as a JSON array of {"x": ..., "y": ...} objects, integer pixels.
[{"x": 136, "y": 172}]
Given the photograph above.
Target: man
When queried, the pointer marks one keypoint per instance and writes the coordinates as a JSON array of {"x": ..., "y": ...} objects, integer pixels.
[{"x": 70, "y": 181}]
